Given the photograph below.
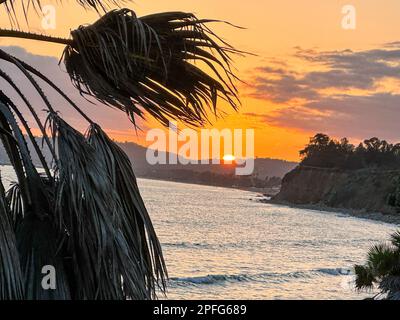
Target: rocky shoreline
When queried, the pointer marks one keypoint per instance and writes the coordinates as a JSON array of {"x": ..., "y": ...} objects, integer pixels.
[
  {"x": 364, "y": 193},
  {"x": 362, "y": 214}
]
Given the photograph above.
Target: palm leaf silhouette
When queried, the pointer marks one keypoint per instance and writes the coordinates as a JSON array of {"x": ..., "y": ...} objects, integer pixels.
[
  {"x": 132, "y": 63},
  {"x": 84, "y": 215},
  {"x": 382, "y": 269}
]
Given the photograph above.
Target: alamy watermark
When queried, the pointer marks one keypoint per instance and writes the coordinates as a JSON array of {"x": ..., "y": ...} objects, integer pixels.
[
  {"x": 49, "y": 280},
  {"x": 349, "y": 20},
  {"x": 49, "y": 17},
  {"x": 189, "y": 146}
]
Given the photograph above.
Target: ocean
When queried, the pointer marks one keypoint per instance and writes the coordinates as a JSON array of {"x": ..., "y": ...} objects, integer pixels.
[{"x": 225, "y": 244}]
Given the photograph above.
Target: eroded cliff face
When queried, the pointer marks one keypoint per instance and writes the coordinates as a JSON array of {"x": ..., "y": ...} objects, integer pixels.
[{"x": 366, "y": 189}]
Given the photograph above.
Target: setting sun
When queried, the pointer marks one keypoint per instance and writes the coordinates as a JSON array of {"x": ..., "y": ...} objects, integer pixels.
[{"x": 229, "y": 158}]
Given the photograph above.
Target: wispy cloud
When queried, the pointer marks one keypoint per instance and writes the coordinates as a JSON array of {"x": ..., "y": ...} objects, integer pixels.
[{"x": 340, "y": 92}]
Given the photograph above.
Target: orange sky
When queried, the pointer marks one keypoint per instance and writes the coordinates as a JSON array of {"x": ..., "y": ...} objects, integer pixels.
[{"x": 274, "y": 29}]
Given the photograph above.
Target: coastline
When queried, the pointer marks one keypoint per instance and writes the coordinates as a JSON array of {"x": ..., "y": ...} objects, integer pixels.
[
  {"x": 361, "y": 214},
  {"x": 262, "y": 191},
  {"x": 269, "y": 191}
]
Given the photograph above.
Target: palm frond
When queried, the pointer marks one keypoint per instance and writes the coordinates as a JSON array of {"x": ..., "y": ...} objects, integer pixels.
[
  {"x": 395, "y": 239},
  {"x": 383, "y": 260},
  {"x": 136, "y": 224},
  {"x": 45, "y": 137},
  {"x": 16, "y": 205},
  {"x": 382, "y": 268},
  {"x": 132, "y": 63},
  {"x": 87, "y": 217},
  {"x": 109, "y": 250},
  {"x": 36, "y": 238},
  {"x": 390, "y": 284},
  {"x": 37, "y": 246},
  {"x": 28, "y": 71},
  {"x": 35, "y": 193},
  {"x": 32, "y": 138},
  {"x": 11, "y": 280},
  {"x": 88, "y": 207},
  {"x": 10, "y": 145},
  {"x": 364, "y": 277}
]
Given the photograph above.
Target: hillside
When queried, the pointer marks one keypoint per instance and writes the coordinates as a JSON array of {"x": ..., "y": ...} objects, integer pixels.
[
  {"x": 365, "y": 189},
  {"x": 338, "y": 174},
  {"x": 267, "y": 172}
]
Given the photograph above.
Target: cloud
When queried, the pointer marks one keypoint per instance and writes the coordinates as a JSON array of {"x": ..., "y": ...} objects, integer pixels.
[
  {"x": 352, "y": 116},
  {"x": 282, "y": 89},
  {"x": 340, "y": 92},
  {"x": 110, "y": 119}
]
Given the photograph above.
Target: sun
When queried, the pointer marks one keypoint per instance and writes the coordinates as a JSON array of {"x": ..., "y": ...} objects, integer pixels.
[{"x": 229, "y": 158}]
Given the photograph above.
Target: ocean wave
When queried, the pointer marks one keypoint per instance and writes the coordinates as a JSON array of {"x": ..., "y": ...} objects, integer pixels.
[
  {"x": 206, "y": 246},
  {"x": 336, "y": 271},
  {"x": 260, "y": 244},
  {"x": 186, "y": 245},
  {"x": 262, "y": 277},
  {"x": 212, "y": 279}
]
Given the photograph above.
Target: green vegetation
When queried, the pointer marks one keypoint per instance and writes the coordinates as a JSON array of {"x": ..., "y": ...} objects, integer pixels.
[
  {"x": 324, "y": 152},
  {"x": 382, "y": 269}
]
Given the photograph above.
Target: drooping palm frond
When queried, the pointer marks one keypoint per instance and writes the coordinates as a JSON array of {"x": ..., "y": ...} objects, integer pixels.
[
  {"x": 132, "y": 63},
  {"x": 11, "y": 280},
  {"x": 37, "y": 241},
  {"x": 136, "y": 224},
  {"x": 24, "y": 122},
  {"x": 89, "y": 207},
  {"x": 35, "y": 234},
  {"x": 108, "y": 245},
  {"x": 170, "y": 65},
  {"x": 86, "y": 217},
  {"x": 35, "y": 192},
  {"x": 16, "y": 205}
]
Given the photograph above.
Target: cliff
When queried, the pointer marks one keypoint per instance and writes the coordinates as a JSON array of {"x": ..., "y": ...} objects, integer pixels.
[{"x": 366, "y": 189}]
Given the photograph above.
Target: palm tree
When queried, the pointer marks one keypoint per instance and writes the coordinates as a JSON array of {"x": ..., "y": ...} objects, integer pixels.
[
  {"x": 85, "y": 215},
  {"x": 382, "y": 269}
]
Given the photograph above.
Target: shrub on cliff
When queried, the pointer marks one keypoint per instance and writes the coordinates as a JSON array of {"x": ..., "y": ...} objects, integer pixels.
[{"x": 324, "y": 152}]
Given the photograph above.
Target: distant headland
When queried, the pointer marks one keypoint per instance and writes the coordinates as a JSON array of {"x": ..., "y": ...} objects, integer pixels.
[{"x": 362, "y": 180}]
